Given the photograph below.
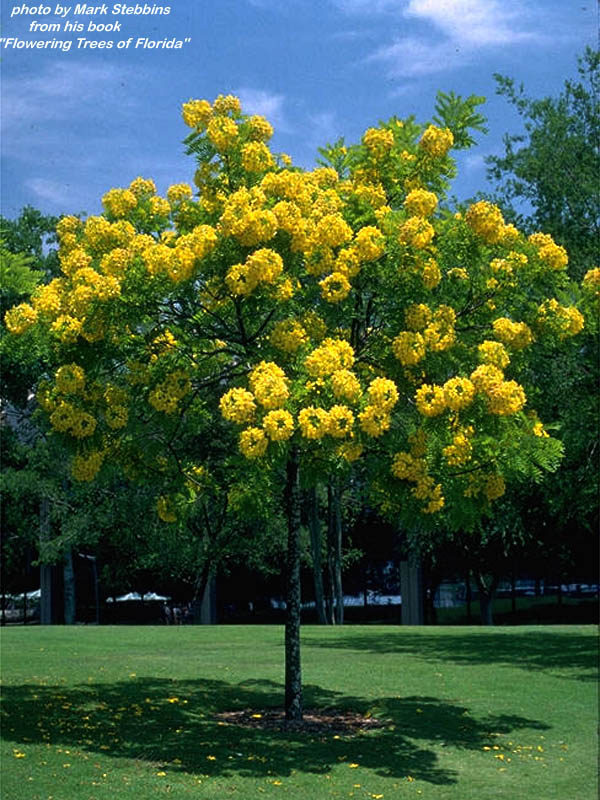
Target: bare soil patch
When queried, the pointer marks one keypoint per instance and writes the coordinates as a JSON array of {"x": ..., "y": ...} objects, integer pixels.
[{"x": 314, "y": 721}]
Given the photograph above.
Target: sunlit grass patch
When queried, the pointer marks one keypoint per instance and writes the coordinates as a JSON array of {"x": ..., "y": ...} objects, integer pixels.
[{"x": 462, "y": 713}]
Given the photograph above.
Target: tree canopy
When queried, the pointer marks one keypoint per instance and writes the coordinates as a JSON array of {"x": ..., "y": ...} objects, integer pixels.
[{"x": 277, "y": 323}]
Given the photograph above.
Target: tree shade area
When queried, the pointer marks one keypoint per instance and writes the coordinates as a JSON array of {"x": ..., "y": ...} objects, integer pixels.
[
  {"x": 468, "y": 713},
  {"x": 274, "y": 347}
]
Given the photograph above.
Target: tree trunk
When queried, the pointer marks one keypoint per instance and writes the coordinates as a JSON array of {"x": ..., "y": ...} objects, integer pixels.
[
  {"x": 200, "y": 587},
  {"x": 513, "y": 591},
  {"x": 46, "y": 582},
  {"x": 314, "y": 524},
  {"x": 334, "y": 550},
  {"x": 69, "y": 589},
  {"x": 293, "y": 674},
  {"x": 486, "y": 597},
  {"x": 468, "y": 597}
]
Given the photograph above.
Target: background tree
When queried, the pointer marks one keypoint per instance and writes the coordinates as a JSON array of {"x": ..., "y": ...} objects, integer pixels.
[
  {"x": 546, "y": 179},
  {"x": 547, "y": 176}
]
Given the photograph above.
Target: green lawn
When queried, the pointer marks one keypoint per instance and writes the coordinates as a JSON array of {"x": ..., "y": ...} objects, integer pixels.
[{"x": 100, "y": 713}]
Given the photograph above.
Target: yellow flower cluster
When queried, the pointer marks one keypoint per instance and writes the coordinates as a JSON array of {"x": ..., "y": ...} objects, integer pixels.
[
  {"x": 335, "y": 287},
  {"x": 345, "y": 385},
  {"x": 591, "y": 282},
  {"x": 288, "y": 335},
  {"x": 369, "y": 243},
  {"x": 417, "y": 316},
  {"x": 70, "y": 379},
  {"x": 409, "y": 348},
  {"x": 563, "y": 321},
  {"x": 179, "y": 193},
  {"x": 66, "y": 418},
  {"x": 440, "y": 334},
  {"x": 253, "y": 442},
  {"x": 256, "y": 157},
  {"x": 246, "y": 217},
  {"x": 101, "y": 236},
  {"x": 237, "y": 405},
  {"x": 259, "y": 128},
  {"x": 490, "y": 352},
  {"x": 278, "y": 425},
  {"x": 431, "y": 273},
  {"x": 119, "y": 202},
  {"x": 167, "y": 394},
  {"x": 341, "y": 421},
  {"x": 86, "y": 467},
  {"x": 331, "y": 231},
  {"x": 503, "y": 397},
  {"x": 412, "y": 467},
  {"x": 116, "y": 416},
  {"x": 165, "y": 508},
  {"x": 436, "y": 141},
  {"x": 458, "y": 393},
  {"x": 383, "y": 393},
  {"x": 516, "y": 335},
  {"x": 19, "y": 319},
  {"x": 262, "y": 266},
  {"x": 378, "y": 141},
  {"x": 197, "y": 113},
  {"x": 223, "y": 133},
  {"x": 491, "y": 485},
  {"x": 461, "y": 449},
  {"x": 375, "y": 420},
  {"x": 331, "y": 355},
  {"x": 371, "y": 193},
  {"x": 420, "y": 203},
  {"x": 408, "y": 467},
  {"x": 313, "y": 422},
  {"x": 269, "y": 385},
  {"x": 142, "y": 188},
  {"x": 486, "y": 220},
  {"x": 430, "y": 400},
  {"x": 416, "y": 232},
  {"x": 551, "y": 253}
]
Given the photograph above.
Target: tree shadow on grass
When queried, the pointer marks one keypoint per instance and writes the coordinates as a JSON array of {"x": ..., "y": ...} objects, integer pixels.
[
  {"x": 172, "y": 723},
  {"x": 573, "y": 655}
]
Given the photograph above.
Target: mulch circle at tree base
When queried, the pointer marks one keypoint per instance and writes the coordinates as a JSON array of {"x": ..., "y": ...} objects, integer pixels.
[{"x": 314, "y": 721}]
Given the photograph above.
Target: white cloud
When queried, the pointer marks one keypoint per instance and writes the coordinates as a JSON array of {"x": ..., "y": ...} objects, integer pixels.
[
  {"x": 268, "y": 104},
  {"x": 413, "y": 57},
  {"x": 474, "y": 162},
  {"x": 56, "y": 194},
  {"x": 476, "y": 22},
  {"x": 439, "y": 35}
]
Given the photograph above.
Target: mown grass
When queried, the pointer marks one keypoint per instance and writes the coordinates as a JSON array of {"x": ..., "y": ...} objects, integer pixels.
[{"x": 470, "y": 714}]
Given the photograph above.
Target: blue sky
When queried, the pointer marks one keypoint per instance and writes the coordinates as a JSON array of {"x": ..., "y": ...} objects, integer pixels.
[{"x": 77, "y": 123}]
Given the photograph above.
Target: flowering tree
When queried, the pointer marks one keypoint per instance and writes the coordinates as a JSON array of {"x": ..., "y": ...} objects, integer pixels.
[{"x": 335, "y": 317}]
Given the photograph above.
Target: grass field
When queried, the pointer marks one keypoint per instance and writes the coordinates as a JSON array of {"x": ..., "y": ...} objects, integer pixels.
[{"x": 100, "y": 713}]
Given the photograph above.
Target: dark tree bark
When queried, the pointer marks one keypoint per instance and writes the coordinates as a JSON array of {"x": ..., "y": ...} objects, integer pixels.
[
  {"x": 334, "y": 550},
  {"x": 69, "y": 599},
  {"x": 487, "y": 588},
  {"x": 315, "y": 540},
  {"x": 293, "y": 673},
  {"x": 468, "y": 597}
]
